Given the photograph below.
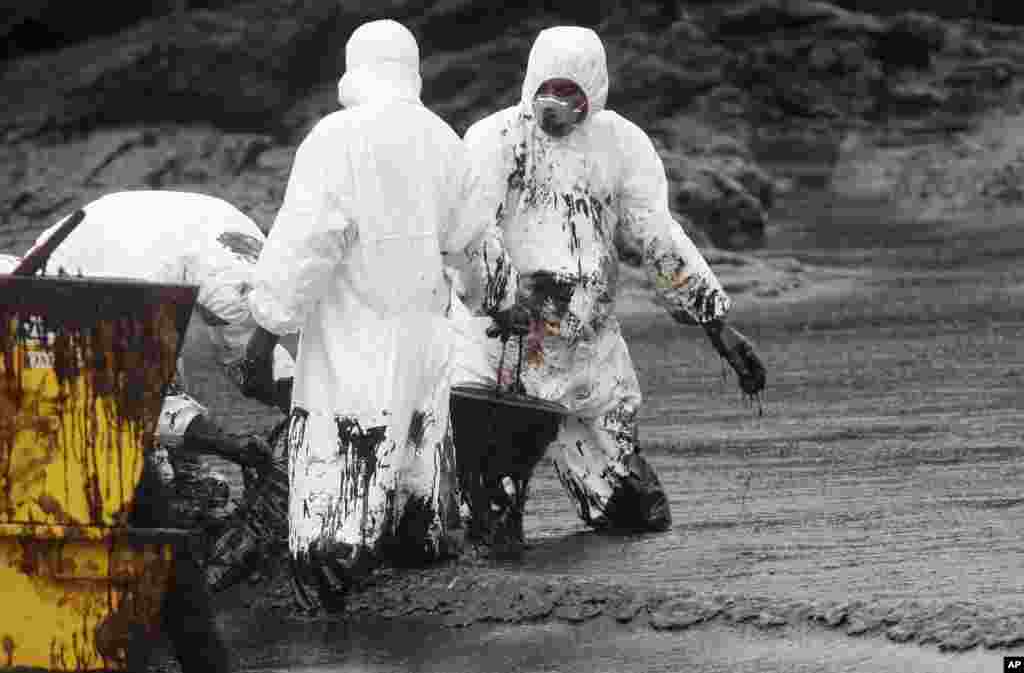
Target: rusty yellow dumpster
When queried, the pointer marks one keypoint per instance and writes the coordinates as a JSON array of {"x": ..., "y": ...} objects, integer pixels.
[{"x": 83, "y": 363}]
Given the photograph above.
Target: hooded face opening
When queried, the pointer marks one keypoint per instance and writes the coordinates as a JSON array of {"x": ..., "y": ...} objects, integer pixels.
[
  {"x": 559, "y": 105},
  {"x": 568, "y": 61}
]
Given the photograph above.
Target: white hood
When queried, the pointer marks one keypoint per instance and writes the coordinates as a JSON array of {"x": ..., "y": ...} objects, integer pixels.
[
  {"x": 382, "y": 63},
  {"x": 568, "y": 52}
]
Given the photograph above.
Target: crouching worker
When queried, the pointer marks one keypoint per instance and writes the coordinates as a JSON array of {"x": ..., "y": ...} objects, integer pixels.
[
  {"x": 566, "y": 181},
  {"x": 354, "y": 263},
  {"x": 179, "y": 237}
]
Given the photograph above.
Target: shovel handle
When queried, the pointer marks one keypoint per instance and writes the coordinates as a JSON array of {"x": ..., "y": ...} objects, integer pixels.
[{"x": 36, "y": 259}]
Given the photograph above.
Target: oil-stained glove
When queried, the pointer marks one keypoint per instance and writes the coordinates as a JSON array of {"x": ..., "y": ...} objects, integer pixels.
[
  {"x": 513, "y": 321},
  {"x": 203, "y": 436},
  {"x": 283, "y": 394},
  {"x": 737, "y": 350},
  {"x": 254, "y": 373}
]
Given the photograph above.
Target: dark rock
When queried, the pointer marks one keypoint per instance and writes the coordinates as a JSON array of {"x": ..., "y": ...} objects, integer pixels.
[
  {"x": 577, "y": 612},
  {"x": 580, "y": 603},
  {"x": 48, "y": 181},
  {"x": 795, "y": 612},
  {"x": 237, "y": 69},
  {"x": 715, "y": 184},
  {"x": 35, "y": 25},
  {"x": 216, "y": 97},
  {"x": 1007, "y": 632},
  {"x": 725, "y": 101},
  {"x": 866, "y": 618},
  {"x": 627, "y": 608},
  {"x": 652, "y": 87},
  {"x": 913, "y": 98},
  {"x": 731, "y": 216},
  {"x": 765, "y": 15},
  {"x": 743, "y": 610},
  {"x": 769, "y": 620},
  {"x": 961, "y": 640},
  {"x": 910, "y": 40},
  {"x": 453, "y": 89},
  {"x": 853, "y": 23},
  {"x": 680, "y": 614},
  {"x": 988, "y": 73},
  {"x": 858, "y": 626},
  {"x": 804, "y": 98},
  {"x": 490, "y": 22},
  {"x": 956, "y": 627},
  {"x": 533, "y": 604},
  {"x": 901, "y": 633},
  {"x": 835, "y": 615}
]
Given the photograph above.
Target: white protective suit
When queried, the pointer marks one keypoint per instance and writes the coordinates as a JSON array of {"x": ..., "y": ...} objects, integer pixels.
[
  {"x": 561, "y": 205},
  {"x": 176, "y": 237},
  {"x": 354, "y": 262},
  {"x": 8, "y": 263}
]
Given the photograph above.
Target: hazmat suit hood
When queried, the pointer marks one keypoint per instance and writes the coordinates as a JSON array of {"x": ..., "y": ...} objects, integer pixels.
[
  {"x": 569, "y": 52},
  {"x": 382, "y": 63}
]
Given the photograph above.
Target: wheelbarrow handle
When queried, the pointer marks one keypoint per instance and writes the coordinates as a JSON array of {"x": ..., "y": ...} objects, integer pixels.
[{"x": 36, "y": 259}]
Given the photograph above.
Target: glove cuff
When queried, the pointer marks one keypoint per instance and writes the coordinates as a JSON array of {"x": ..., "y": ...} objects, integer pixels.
[{"x": 176, "y": 415}]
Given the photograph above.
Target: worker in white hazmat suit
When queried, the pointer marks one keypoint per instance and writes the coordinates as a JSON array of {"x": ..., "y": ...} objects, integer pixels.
[
  {"x": 354, "y": 263},
  {"x": 181, "y": 237},
  {"x": 565, "y": 179}
]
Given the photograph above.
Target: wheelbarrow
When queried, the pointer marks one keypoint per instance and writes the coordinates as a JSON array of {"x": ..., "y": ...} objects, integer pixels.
[
  {"x": 83, "y": 364},
  {"x": 500, "y": 434}
]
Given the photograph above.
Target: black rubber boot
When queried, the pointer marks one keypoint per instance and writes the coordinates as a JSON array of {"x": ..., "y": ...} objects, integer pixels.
[
  {"x": 186, "y": 613},
  {"x": 639, "y": 504},
  {"x": 189, "y": 621}
]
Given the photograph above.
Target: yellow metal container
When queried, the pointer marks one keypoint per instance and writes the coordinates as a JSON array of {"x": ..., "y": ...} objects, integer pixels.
[{"x": 83, "y": 364}]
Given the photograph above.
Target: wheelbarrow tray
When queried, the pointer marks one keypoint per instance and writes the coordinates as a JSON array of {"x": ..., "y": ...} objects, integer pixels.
[
  {"x": 491, "y": 395},
  {"x": 500, "y": 433},
  {"x": 499, "y": 436}
]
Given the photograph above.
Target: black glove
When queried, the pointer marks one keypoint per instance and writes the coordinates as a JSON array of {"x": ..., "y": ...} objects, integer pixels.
[
  {"x": 514, "y": 320},
  {"x": 203, "y": 436},
  {"x": 254, "y": 374},
  {"x": 283, "y": 394},
  {"x": 748, "y": 367},
  {"x": 739, "y": 353}
]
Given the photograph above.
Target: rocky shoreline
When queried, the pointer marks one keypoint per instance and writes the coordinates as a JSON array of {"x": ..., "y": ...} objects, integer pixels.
[
  {"x": 216, "y": 99},
  {"x": 467, "y": 592}
]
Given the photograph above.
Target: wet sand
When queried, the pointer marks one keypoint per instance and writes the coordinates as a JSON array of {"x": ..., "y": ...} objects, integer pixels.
[{"x": 870, "y": 520}]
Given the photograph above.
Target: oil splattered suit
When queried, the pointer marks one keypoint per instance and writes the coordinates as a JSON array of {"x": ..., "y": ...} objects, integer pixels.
[
  {"x": 562, "y": 205},
  {"x": 176, "y": 237},
  {"x": 354, "y": 262}
]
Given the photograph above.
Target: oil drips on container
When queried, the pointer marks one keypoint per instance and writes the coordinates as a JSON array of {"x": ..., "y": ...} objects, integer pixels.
[{"x": 82, "y": 367}]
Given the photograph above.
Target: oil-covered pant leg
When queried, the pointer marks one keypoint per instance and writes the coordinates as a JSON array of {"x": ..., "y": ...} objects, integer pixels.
[
  {"x": 595, "y": 451},
  {"x": 254, "y": 538},
  {"x": 187, "y": 615},
  {"x": 341, "y": 472},
  {"x": 189, "y": 620},
  {"x": 425, "y": 523},
  {"x": 600, "y": 466},
  {"x": 359, "y": 498}
]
